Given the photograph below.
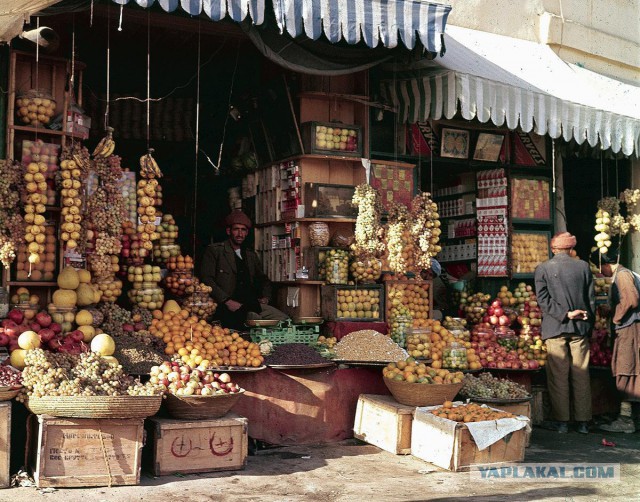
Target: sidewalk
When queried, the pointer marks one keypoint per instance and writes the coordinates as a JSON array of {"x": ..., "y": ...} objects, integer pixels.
[{"x": 354, "y": 471}]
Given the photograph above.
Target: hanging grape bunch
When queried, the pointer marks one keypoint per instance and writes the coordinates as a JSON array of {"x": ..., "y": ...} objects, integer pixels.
[
  {"x": 631, "y": 198},
  {"x": 425, "y": 228},
  {"x": 12, "y": 225},
  {"x": 367, "y": 234},
  {"x": 400, "y": 256}
]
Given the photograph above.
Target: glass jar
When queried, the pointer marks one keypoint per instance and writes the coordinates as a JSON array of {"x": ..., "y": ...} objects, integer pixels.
[
  {"x": 366, "y": 271},
  {"x": 336, "y": 266},
  {"x": 399, "y": 327},
  {"x": 200, "y": 305},
  {"x": 454, "y": 356},
  {"x": 148, "y": 297},
  {"x": 110, "y": 290},
  {"x": 506, "y": 337},
  {"x": 64, "y": 316},
  {"x": 419, "y": 342},
  {"x": 35, "y": 108},
  {"x": 319, "y": 235},
  {"x": 162, "y": 252},
  {"x": 483, "y": 334},
  {"x": 4, "y": 303}
]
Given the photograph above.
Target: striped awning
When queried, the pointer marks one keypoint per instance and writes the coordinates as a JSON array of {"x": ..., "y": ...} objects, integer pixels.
[
  {"x": 522, "y": 84},
  {"x": 370, "y": 21}
]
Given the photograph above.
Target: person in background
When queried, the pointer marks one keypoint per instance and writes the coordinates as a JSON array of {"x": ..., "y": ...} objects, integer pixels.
[
  {"x": 240, "y": 287},
  {"x": 565, "y": 292},
  {"x": 624, "y": 300}
]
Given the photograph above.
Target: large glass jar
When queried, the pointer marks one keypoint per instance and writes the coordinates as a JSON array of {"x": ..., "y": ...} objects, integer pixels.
[
  {"x": 419, "y": 342},
  {"x": 4, "y": 303},
  {"x": 454, "y": 356},
  {"x": 336, "y": 267},
  {"x": 366, "y": 271},
  {"x": 148, "y": 295},
  {"x": 507, "y": 338},
  {"x": 399, "y": 327},
  {"x": 319, "y": 235},
  {"x": 200, "y": 305},
  {"x": 64, "y": 316}
]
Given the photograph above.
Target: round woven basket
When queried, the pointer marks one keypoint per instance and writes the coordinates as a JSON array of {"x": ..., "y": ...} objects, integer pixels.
[
  {"x": 421, "y": 394},
  {"x": 95, "y": 406},
  {"x": 7, "y": 394},
  {"x": 201, "y": 407}
]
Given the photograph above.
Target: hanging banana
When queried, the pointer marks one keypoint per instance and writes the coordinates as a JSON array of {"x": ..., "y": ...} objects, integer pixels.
[
  {"x": 106, "y": 146},
  {"x": 149, "y": 167}
]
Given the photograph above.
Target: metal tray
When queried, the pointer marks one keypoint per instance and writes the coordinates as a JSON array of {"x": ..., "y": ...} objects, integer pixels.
[
  {"x": 496, "y": 400},
  {"x": 300, "y": 366},
  {"x": 237, "y": 369},
  {"x": 361, "y": 363},
  {"x": 261, "y": 323},
  {"x": 308, "y": 320}
]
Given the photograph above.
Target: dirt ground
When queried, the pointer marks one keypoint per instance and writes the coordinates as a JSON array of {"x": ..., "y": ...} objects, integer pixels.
[{"x": 354, "y": 471}]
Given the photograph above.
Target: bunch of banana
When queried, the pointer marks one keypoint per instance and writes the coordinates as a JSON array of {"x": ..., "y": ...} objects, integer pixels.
[
  {"x": 149, "y": 167},
  {"x": 106, "y": 146}
]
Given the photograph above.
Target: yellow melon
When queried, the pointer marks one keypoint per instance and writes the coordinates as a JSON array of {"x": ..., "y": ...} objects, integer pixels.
[
  {"x": 88, "y": 331},
  {"x": 103, "y": 344},
  {"x": 68, "y": 278},
  {"x": 86, "y": 295},
  {"x": 84, "y": 276},
  {"x": 84, "y": 318},
  {"x": 170, "y": 306},
  {"x": 17, "y": 358},
  {"x": 65, "y": 298},
  {"x": 111, "y": 360}
]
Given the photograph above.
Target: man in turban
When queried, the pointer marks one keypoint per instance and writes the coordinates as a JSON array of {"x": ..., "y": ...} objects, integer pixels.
[
  {"x": 565, "y": 292},
  {"x": 624, "y": 300},
  {"x": 239, "y": 286}
]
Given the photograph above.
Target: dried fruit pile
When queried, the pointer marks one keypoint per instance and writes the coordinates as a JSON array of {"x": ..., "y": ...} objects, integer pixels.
[
  {"x": 368, "y": 345},
  {"x": 470, "y": 413},
  {"x": 294, "y": 354},
  {"x": 486, "y": 386}
]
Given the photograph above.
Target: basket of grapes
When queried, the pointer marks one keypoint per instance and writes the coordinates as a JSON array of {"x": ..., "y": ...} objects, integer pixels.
[
  {"x": 10, "y": 383},
  {"x": 486, "y": 388}
]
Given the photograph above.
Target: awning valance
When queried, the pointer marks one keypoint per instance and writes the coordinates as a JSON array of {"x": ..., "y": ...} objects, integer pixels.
[
  {"x": 370, "y": 21},
  {"x": 520, "y": 83}
]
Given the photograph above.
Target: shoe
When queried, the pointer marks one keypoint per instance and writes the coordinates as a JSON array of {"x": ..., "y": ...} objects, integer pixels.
[
  {"x": 561, "y": 427},
  {"x": 583, "y": 427},
  {"x": 621, "y": 424}
]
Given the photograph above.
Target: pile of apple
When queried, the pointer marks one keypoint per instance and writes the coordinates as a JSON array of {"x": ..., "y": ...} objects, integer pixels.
[
  {"x": 183, "y": 380},
  {"x": 336, "y": 138},
  {"x": 496, "y": 356},
  {"x": 496, "y": 315},
  {"x": 474, "y": 307},
  {"x": 531, "y": 315},
  {"x": 18, "y": 332}
]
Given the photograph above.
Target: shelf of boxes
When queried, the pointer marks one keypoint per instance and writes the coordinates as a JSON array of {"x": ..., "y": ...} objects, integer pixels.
[
  {"x": 458, "y": 252},
  {"x": 493, "y": 229}
]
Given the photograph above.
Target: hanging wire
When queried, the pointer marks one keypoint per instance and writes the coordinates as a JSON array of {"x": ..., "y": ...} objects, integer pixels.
[
  {"x": 37, "y": 86},
  {"x": 194, "y": 212},
  {"x": 106, "y": 111},
  {"x": 91, "y": 16},
  {"x": 148, "y": 77},
  {"x": 120, "y": 20},
  {"x": 553, "y": 165},
  {"x": 431, "y": 137},
  {"x": 601, "y": 177},
  {"x": 72, "y": 84}
]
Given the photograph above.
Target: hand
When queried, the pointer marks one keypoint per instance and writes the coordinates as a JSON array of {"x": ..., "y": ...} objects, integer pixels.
[
  {"x": 580, "y": 315},
  {"x": 233, "y": 305},
  {"x": 263, "y": 301}
]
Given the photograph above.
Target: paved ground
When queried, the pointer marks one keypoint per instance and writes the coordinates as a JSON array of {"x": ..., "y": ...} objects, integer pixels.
[{"x": 354, "y": 471}]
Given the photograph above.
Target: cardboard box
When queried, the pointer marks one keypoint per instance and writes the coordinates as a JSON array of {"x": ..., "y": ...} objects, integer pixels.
[
  {"x": 457, "y": 451},
  {"x": 385, "y": 423},
  {"x": 5, "y": 444},
  {"x": 187, "y": 446},
  {"x": 74, "y": 452}
]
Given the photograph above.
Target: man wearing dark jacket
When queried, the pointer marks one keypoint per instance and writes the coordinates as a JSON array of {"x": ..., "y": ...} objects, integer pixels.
[
  {"x": 240, "y": 287},
  {"x": 565, "y": 292}
]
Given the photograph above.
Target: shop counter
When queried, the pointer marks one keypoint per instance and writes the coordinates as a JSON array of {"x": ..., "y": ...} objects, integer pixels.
[{"x": 305, "y": 406}]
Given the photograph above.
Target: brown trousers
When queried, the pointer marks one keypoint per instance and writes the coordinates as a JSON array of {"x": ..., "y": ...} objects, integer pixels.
[{"x": 568, "y": 377}]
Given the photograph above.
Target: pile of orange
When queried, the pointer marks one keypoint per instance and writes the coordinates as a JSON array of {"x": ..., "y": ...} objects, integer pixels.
[
  {"x": 180, "y": 263},
  {"x": 198, "y": 343},
  {"x": 471, "y": 412},
  {"x": 411, "y": 371},
  {"x": 440, "y": 337}
]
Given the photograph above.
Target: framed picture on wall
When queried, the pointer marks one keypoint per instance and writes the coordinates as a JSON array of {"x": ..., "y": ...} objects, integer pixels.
[
  {"x": 488, "y": 147},
  {"x": 454, "y": 143}
]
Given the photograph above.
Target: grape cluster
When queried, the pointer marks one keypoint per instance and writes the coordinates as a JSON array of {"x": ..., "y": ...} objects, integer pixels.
[
  {"x": 367, "y": 234},
  {"x": 486, "y": 386},
  {"x": 630, "y": 197},
  {"x": 140, "y": 314},
  {"x": 107, "y": 244},
  {"x": 425, "y": 228},
  {"x": 89, "y": 374},
  {"x": 114, "y": 317}
]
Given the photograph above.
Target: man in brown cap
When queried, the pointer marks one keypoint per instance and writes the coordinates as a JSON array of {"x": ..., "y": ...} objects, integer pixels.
[
  {"x": 565, "y": 292},
  {"x": 240, "y": 287}
]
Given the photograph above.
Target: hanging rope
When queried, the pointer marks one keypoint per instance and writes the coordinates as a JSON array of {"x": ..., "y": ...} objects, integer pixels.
[
  {"x": 120, "y": 20},
  {"x": 601, "y": 177},
  {"x": 72, "y": 81},
  {"x": 91, "y": 16},
  {"x": 106, "y": 112},
  {"x": 194, "y": 212},
  {"x": 553, "y": 166},
  {"x": 148, "y": 77}
]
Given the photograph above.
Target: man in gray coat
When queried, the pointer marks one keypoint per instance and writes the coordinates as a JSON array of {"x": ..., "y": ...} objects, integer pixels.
[
  {"x": 565, "y": 292},
  {"x": 240, "y": 287}
]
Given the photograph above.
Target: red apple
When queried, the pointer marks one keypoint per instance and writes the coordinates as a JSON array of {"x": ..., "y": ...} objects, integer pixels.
[
  {"x": 34, "y": 326},
  {"x": 43, "y": 319},
  {"x": 4, "y": 340},
  {"x": 503, "y": 320},
  {"x": 46, "y": 334},
  {"x": 16, "y": 315},
  {"x": 493, "y": 320},
  {"x": 55, "y": 327},
  {"x": 127, "y": 327}
]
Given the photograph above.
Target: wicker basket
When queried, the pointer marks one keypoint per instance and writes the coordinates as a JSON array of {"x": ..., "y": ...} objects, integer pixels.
[
  {"x": 421, "y": 394},
  {"x": 201, "y": 407},
  {"x": 8, "y": 393},
  {"x": 95, "y": 406}
]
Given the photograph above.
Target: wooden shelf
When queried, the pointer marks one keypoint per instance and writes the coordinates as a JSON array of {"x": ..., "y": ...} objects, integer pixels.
[
  {"x": 453, "y": 195},
  {"x": 300, "y": 282},
  {"x": 466, "y": 260},
  {"x": 314, "y": 156},
  {"x": 302, "y": 220},
  {"x": 466, "y": 215},
  {"x": 43, "y": 131},
  {"x": 32, "y": 283}
]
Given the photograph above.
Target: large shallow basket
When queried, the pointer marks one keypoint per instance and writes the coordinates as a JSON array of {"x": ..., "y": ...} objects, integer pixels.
[
  {"x": 8, "y": 393},
  {"x": 201, "y": 407},
  {"x": 95, "y": 406},
  {"x": 422, "y": 394}
]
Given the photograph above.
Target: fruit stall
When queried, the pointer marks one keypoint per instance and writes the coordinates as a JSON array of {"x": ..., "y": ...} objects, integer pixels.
[{"x": 108, "y": 333}]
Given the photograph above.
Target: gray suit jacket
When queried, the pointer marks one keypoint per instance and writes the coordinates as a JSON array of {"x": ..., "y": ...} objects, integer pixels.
[
  {"x": 564, "y": 284},
  {"x": 219, "y": 271}
]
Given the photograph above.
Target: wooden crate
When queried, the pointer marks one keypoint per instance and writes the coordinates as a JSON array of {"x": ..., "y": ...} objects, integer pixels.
[
  {"x": 5, "y": 444},
  {"x": 330, "y": 305},
  {"x": 393, "y": 299},
  {"x": 190, "y": 446},
  {"x": 383, "y": 422},
  {"x": 457, "y": 451},
  {"x": 75, "y": 452},
  {"x": 523, "y": 409}
]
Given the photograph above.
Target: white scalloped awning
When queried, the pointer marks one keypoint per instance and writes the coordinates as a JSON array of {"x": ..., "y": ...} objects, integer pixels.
[
  {"x": 520, "y": 83},
  {"x": 371, "y": 21}
]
